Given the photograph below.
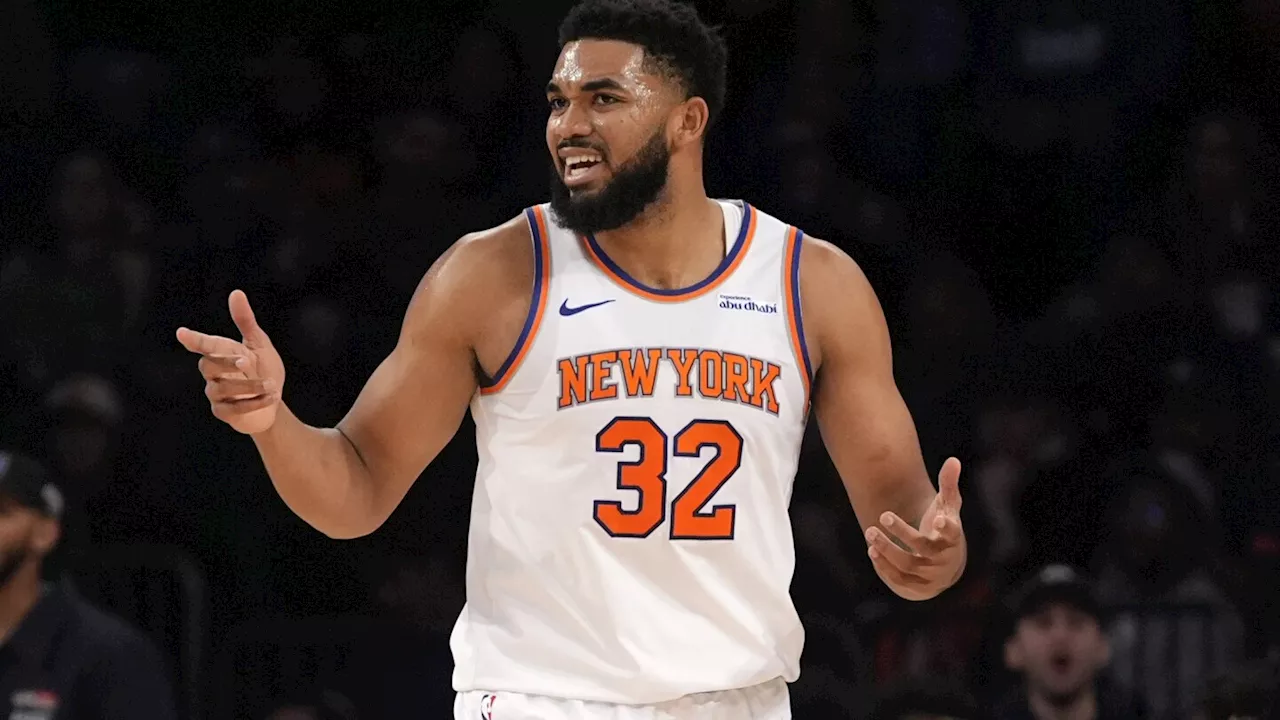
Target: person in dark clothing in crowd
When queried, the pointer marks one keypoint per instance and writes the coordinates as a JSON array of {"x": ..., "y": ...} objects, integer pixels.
[
  {"x": 1059, "y": 647},
  {"x": 925, "y": 699},
  {"x": 1245, "y": 693},
  {"x": 59, "y": 656},
  {"x": 321, "y": 705}
]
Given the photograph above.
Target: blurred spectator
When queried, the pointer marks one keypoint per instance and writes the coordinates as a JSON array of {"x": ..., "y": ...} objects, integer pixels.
[
  {"x": 78, "y": 302},
  {"x": 27, "y": 78},
  {"x": 83, "y": 445},
  {"x": 1261, "y": 46},
  {"x": 419, "y": 205},
  {"x": 484, "y": 71},
  {"x": 316, "y": 342},
  {"x": 821, "y": 536},
  {"x": 808, "y": 174},
  {"x": 421, "y": 600},
  {"x": 1134, "y": 279},
  {"x": 925, "y": 699},
  {"x": 921, "y": 42},
  {"x": 1243, "y": 693},
  {"x": 32, "y": 136},
  {"x": 325, "y": 705},
  {"x": 835, "y": 668},
  {"x": 87, "y": 412},
  {"x": 1262, "y": 590},
  {"x": 122, "y": 88},
  {"x": 831, "y": 70},
  {"x": 1028, "y": 451},
  {"x": 1173, "y": 625},
  {"x": 1222, "y": 210},
  {"x": 1060, "y": 649},
  {"x": 424, "y": 594},
  {"x": 58, "y": 654},
  {"x": 291, "y": 86},
  {"x": 953, "y": 335},
  {"x": 1105, "y": 343},
  {"x": 1004, "y": 448}
]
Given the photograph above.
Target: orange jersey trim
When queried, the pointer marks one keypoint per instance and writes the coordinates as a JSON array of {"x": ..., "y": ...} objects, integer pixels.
[{"x": 795, "y": 318}]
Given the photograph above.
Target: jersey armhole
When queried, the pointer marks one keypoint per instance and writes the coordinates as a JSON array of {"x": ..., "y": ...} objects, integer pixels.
[
  {"x": 795, "y": 315},
  {"x": 537, "y": 303}
]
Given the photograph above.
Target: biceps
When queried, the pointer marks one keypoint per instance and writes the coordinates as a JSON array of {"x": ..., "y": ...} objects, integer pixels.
[
  {"x": 872, "y": 440},
  {"x": 408, "y": 411}
]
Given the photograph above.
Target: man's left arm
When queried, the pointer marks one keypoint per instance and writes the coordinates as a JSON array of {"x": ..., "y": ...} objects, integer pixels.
[{"x": 915, "y": 538}]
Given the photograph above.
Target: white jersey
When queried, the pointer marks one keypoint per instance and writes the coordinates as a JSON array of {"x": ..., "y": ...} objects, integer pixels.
[{"x": 629, "y": 539}]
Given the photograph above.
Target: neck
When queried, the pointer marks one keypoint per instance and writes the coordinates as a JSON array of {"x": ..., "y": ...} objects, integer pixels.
[
  {"x": 1084, "y": 706},
  {"x": 17, "y": 597},
  {"x": 676, "y": 242}
]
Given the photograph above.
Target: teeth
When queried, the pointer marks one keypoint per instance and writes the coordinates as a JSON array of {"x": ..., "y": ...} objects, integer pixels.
[
  {"x": 578, "y": 159},
  {"x": 577, "y": 165}
]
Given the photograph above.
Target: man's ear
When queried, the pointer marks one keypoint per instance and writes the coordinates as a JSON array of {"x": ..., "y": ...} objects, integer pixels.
[
  {"x": 45, "y": 538},
  {"x": 1103, "y": 658},
  {"x": 689, "y": 121},
  {"x": 1014, "y": 659}
]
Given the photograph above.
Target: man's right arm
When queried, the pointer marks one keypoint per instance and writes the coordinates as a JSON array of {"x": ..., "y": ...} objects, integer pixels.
[{"x": 346, "y": 481}]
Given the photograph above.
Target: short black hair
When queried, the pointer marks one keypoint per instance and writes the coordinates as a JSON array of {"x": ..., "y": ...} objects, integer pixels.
[
  {"x": 672, "y": 35},
  {"x": 1056, "y": 584}
]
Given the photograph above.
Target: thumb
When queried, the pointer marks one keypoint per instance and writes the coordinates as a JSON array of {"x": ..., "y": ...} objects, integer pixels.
[
  {"x": 243, "y": 317},
  {"x": 949, "y": 483}
]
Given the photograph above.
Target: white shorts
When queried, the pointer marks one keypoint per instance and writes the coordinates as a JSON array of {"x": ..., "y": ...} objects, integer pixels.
[{"x": 767, "y": 701}]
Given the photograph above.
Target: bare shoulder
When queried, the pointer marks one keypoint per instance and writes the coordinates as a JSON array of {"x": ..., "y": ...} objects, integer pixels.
[
  {"x": 479, "y": 291},
  {"x": 826, "y": 267},
  {"x": 485, "y": 262},
  {"x": 840, "y": 307}
]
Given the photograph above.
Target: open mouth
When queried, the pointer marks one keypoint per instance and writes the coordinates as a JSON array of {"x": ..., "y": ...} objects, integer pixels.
[{"x": 582, "y": 167}]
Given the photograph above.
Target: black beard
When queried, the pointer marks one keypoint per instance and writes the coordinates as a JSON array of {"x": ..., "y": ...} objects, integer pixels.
[{"x": 634, "y": 187}]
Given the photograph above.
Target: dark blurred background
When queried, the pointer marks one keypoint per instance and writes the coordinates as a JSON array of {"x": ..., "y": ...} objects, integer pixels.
[{"x": 1068, "y": 208}]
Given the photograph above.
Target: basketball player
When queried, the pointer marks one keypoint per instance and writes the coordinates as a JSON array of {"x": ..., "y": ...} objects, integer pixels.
[{"x": 639, "y": 360}]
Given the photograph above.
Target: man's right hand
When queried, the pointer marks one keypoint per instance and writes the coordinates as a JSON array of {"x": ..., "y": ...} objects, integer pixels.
[{"x": 243, "y": 380}]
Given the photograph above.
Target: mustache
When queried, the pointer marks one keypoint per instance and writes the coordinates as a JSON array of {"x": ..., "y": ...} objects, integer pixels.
[{"x": 582, "y": 145}]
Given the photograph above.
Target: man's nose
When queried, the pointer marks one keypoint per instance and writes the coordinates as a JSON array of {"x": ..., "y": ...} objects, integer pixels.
[{"x": 574, "y": 122}]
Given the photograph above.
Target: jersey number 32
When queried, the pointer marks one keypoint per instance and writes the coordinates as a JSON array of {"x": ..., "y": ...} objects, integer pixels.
[{"x": 690, "y": 520}]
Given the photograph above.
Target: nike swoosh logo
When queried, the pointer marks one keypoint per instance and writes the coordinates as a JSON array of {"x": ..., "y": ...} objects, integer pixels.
[{"x": 566, "y": 311}]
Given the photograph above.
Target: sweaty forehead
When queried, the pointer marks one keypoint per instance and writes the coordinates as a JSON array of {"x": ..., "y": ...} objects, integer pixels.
[{"x": 586, "y": 61}]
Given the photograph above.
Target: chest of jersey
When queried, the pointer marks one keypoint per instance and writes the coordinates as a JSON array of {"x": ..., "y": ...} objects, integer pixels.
[
  {"x": 713, "y": 350},
  {"x": 606, "y": 344},
  {"x": 696, "y": 400}
]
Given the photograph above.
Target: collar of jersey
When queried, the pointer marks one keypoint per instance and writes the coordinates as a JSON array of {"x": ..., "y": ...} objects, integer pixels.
[{"x": 731, "y": 260}]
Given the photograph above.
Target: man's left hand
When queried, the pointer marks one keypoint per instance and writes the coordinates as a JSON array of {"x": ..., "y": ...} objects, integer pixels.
[{"x": 919, "y": 564}]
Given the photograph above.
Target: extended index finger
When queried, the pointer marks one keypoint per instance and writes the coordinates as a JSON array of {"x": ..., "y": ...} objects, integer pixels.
[{"x": 198, "y": 342}]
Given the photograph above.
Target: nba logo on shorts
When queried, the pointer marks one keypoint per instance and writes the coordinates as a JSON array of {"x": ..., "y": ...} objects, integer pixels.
[{"x": 486, "y": 707}]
